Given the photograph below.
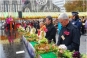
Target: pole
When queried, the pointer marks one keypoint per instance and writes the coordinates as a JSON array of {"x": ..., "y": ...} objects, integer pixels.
[{"x": 83, "y": 5}]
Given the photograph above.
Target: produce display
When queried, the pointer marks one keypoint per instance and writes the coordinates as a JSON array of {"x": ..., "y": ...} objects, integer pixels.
[
  {"x": 27, "y": 34},
  {"x": 21, "y": 29},
  {"x": 43, "y": 48},
  {"x": 43, "y": 40},
  {"x": 32, "y": 37}
]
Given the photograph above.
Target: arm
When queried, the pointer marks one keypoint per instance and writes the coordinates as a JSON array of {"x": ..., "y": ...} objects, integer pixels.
[
  {"x": 78, "y": 24},
  {"x": 53, "y": 32}
]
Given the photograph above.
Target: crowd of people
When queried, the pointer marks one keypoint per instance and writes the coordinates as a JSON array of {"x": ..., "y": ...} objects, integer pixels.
[{"x": 68, "y": 29}]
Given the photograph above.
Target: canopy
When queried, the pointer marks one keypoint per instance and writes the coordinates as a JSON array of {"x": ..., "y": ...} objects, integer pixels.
[{"x": 36, "y": 15}]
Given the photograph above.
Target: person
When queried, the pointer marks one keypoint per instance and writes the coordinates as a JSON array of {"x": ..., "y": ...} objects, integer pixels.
[
  {"x": 42, "y": 28},
  {"x": 9, "y": 33},
  {"x": 37, "y": 26},
  {"x": 8, "y": 22},
  {"x": 83, "y": 25},
  {"x": 59, "y": 27},
  {"x": 24, "y": 24},
  {"x": 51, "y": 30},
  {"x": 56, "y": 23},
  {"x": 76, "y": 20},
  {"x": 86, "y": 26},
  {"x": 69, "y": 36}
]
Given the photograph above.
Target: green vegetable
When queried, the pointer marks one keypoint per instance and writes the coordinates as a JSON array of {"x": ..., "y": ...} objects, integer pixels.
[{"x": 44, "y": 40}]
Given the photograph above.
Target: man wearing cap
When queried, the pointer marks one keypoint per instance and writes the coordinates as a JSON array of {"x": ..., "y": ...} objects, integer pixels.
[
  {"x": 51, "y": 30},
  {"x": 69, "y": 36}
]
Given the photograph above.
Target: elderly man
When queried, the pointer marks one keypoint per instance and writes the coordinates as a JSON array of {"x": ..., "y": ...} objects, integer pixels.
[{"x": 69, "y": 37}]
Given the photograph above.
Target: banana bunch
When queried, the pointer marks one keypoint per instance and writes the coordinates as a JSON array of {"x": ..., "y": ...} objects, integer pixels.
[
  {"x": 21, "y": 29},
  {"x": 33, "y": 30},
  {"x": 42, "y": 34}
]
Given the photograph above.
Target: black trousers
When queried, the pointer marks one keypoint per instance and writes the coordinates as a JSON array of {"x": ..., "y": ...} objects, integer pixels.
[{"x": 83, "y": 29}]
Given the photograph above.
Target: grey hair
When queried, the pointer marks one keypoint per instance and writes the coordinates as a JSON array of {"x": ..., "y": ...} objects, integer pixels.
[
  {"x": 63, "y": 16},
  {"x": 41, "y": 22}
]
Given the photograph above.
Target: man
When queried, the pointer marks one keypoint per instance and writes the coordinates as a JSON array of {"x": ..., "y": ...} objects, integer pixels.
[
  {"x": 69, "y": 36},
  {"x": 51, "y": 30}
]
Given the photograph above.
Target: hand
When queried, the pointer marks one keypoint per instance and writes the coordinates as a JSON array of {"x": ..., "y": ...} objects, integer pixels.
[{"x": 62, "y": 48}]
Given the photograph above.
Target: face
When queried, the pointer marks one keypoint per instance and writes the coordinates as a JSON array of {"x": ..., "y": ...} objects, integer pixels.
[
  {"x": 48, "y": 21},
  {"x": 41, "y": 24},
  {"x": 73, "y": 17},
  {"x": 63, "y": 22}
]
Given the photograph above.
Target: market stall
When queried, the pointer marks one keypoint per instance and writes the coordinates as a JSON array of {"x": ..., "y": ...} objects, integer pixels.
[
  {"x": 31, "y": 50},
  {"x": 40, "y": 48},
  {"x": 35, "y": 15}
]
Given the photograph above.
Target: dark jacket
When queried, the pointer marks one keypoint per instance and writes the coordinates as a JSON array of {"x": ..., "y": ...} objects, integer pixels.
[
  {"x": 77, "y": 22},
  {"x": 72, "y": 40},
  {"x": 51, "y": 32}
]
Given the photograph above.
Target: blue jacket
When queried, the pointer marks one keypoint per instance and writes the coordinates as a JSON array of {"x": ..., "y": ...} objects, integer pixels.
[{"x": 77, "y": 22}]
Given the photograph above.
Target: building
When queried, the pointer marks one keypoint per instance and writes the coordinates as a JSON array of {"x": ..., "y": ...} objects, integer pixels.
[
  {"x": 60, "y": 4},
  {"x": 28, "y": 6},
  {"x": 10, "y": 5},
  {"x": 40, "y": 6}
]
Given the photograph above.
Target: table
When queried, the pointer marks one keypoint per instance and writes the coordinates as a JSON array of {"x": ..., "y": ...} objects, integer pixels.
[{"x": 31, "y": 50}]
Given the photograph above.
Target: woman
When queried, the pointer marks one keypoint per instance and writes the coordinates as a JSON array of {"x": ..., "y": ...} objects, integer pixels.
[
  {"x": 83, "y": 25},
  {"x": 51, "y": 30},
  {"x": 9, "y": 34},
  {"x": 8, "y": 22},
  {"x": 76, "y": 21},
  {"x": 42, "y": 28}
]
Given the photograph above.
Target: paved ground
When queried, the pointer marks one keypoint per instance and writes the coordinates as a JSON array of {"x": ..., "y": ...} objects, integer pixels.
[
  {"x": 83, "y": 44},
  {"x": 9, "y": 51}
]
